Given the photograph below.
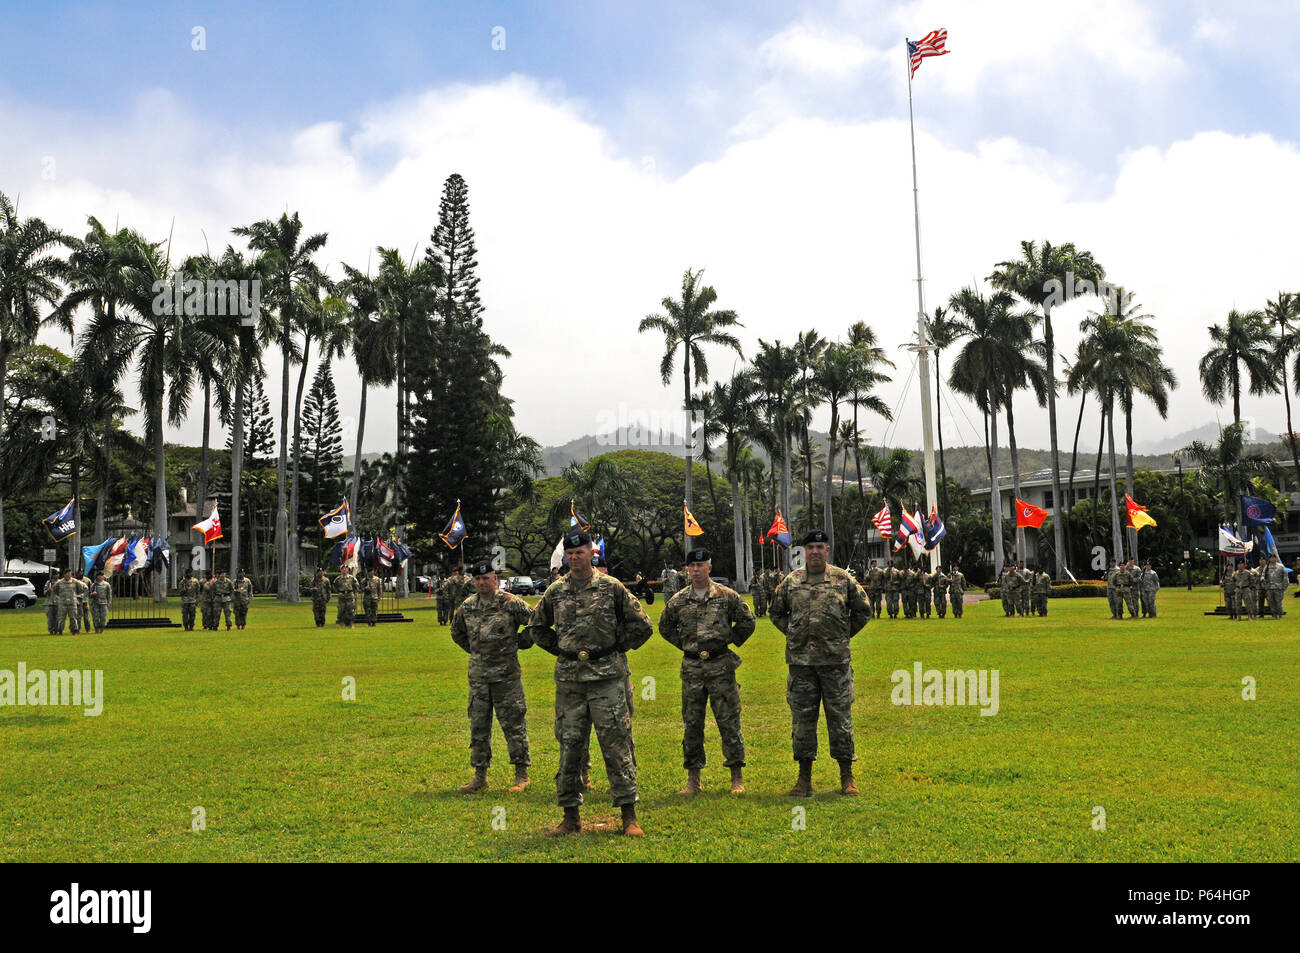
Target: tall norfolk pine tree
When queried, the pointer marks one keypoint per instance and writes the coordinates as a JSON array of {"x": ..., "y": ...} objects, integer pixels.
[
  {"x": 454, "y": 384},
  {"x": 322, "y": 451}
]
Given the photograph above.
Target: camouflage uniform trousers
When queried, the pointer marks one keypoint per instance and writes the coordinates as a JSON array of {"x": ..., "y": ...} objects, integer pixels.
[
  {"x": 1116, "y": 603},
  {"x": 809, "y": 687},
  {"x": 227, "y": 608},
  {"x": 1250, "y": 600},
  {"x": 372, "y": 610},
  {"x": 722, "y": 691},
  {"x": 760, "y": 600},
  {"x": 1148, "y": 604},
  {"x": 187, "y": 615},
  {"x": 891, "y": 603},
  {"x": 51, "y": 614},
  {"x": 1023, "y": 607},
  {"x": 506, "y": 698},
  {"x": 99, "y": 616},
  {"x": 318, "y": 611},
  {"x": 241, "y": 613},
  {"x": 1039, "y": 605},
  {"x": 347, "y": 611},
  {"x": 1275, "y": 602},
  {"x": 83, "y": 613},
  {"x": 957, "y": 606},
  {"x": 585, "y": 758},
  {"x": 71, "y": 614},
  {"x": 941, "y": 603},
  {"x": 909, "y": 604},
  {"x": 1008, "y": 601},
  {"x": 1131, "y": 600},
  {"x": 1230, "y": 600},
  {"x": 603, "y": 704},
  {"x": 442, "y": 610},
  {"x": 873, "y": 600}
]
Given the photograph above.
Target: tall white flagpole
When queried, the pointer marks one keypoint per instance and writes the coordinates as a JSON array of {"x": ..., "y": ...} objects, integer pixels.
[{"x": 922, "y": 339}]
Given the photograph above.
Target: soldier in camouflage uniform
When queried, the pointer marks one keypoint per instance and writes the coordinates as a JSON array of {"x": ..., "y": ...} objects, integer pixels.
[
  {"x": 444, "y": 601},
  {"x": 370, "y": 591},
  {"x": 207, "y": 603},
  {"x": 759, "y": 589},
  {"x": 925, "y": 593},
  {"x": 1131, "y": 586},
  {"x": 940, "y": 582},
  {"x": 101, "y": 597},
  {"x": 909, "y": 593},
  {"x": 83, "y": 601},
  {"x": 189, "y": 589},
  {"x": 1041, "y": 588},
  {"x": 1148, "y": 587},
  {"x": 346, "y": 586},
  {"x": 819, "y": 609},
  {"x": 65, "y": 598},
  {"x": 702, "y": 620},
  {"x": 1276, "y": 580},
  {"x": 1026, "y": 590},
  {"x": 875, "y": 588},
  {"x": 242, "y": 598},
  {"x": 466, "y": 588},
  {"x": 957, "y": 590},
  {"x": 487, "y": 627},
  {"x": 1248, "y": 590},
  {"x": 320, "y": 598},
  {"x": 893, "y": 588},
  {"x": 223, "y": 597},
  {"x": 1008, "y": 585},
  {"x": 588, "y": 620},
  {"x": 1113, "y": 597},
  {"x": 1229, "y": 584},
  {"x": 51, "y": 605}
]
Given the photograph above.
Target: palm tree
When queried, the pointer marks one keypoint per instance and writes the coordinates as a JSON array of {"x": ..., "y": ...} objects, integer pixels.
[
  {"x": 153, "y": 333},
  {"x": 774, "y": 370},
  {"x": 29, "y": 273},
  {"x": 1282, "y": 312},
  {"x": 689, "y": 323},
  {"x": 735, "y": 419},
  {"x": 894, "y": 479},
  {"x": 1021, "y": 368},
  {"x": 1226, "y": 462},
  {"x": 374, "y": 343},
  {"x": 1242, "y": 339},
  {"x": 845, "y": 372},
  {"x": 944, "y": 332},
  {"x": 979, "y": 372},
  {"x": 808, "y": 349},
  {"x": 600, "y": 490},
  {"x": 323, "y": 320},
  {"x": 1040, "y": 277},
  {"x": 287, "y": 260}
]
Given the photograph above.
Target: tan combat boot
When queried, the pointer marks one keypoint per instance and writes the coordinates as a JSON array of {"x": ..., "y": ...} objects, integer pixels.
[
  {"x": 692, "y": 782},
  {"x": 630, "y": 827},
  {"x": 521, "y": 778},
  {"x": 803, "y": 787},
  {"x": 572, "y": 824},
  {"x": 737, "y": 785},
  {"x": 478, "y": 784},
  {"x": 847, "y": 786}
]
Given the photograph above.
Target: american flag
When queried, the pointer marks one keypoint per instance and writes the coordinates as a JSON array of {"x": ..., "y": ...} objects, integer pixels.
[
  {"x": 882, "y": 522},
  {"x": 929, "y": 45}
]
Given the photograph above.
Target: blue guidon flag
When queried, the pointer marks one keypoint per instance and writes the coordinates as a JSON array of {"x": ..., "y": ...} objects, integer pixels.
[
  {"x": 62, "y": 524},
  {"x": 455, "y": 530}
]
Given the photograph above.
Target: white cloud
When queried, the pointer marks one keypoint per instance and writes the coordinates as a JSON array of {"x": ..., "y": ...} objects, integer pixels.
[
  {"x": 808, "y": 224},
  {"x": 812, "y": 50}
]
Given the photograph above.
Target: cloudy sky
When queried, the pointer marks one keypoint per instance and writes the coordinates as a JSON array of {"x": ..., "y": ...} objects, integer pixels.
[{"x": 608, "y": 149}]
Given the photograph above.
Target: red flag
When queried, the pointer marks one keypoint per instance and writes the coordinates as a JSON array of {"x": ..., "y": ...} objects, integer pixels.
[{"x": 1029, "y": 515}]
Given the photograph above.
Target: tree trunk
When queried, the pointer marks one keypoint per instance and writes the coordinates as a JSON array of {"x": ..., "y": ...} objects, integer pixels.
[
  {"x": 1065, "y": 506},
  {"x": 236, "y": 469},
  {"x": 690, "y": 425},
  {"x": 1096, "y": 478},
  {"x": 1117, "y": 536},
  {"x": 995, "y": 499},
  {"x": 738, "y": 534},
  {"x": 1050, "y": 341},
  {"x": 160, "y": 479},
  {"x": 203, "y": 451},
  {"x": 356, "y": 459},
  {"x": 828, "y": 517},
  {"x": 1290, "y": 430},
  {"x": 4, "y": 370},
  {"x": 294, "y": 594},
  {"x": 857, "y": 461},
  {"x": 281, "y": 515},
  {"x": 1128, "y": 442},
  {"x": 1015, "y": 473},
  {"x": 785, "y": 490},
  {"x": 1236, "y": 393},
  {"x": 938, "y": 423}
]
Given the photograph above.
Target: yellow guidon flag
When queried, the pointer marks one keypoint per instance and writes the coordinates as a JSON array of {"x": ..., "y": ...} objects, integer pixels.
[
  {"x": 692, "y": 528},
  {"x": 1137, "y": 514}
]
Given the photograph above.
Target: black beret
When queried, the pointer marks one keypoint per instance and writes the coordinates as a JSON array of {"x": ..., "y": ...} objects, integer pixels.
[
  {"x": 816, "y": 536},
  {"x": 700, "y": 555},
  {"x": 577, "y": 538},
  {"x": 482, "y": 569}
]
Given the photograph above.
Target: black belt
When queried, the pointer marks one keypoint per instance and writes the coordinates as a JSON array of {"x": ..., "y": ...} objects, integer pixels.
[
  {"x": 705, "y": 654},
  {"x": 589, "y": 655}
]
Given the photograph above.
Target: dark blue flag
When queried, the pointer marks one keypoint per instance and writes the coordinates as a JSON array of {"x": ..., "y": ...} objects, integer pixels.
[
  {"x": 1256, "y": 511},
  {"x": 61, "y": 524}
]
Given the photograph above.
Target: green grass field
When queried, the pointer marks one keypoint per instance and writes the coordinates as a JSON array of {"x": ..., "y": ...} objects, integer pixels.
[{"x": 1145, "y": 719}]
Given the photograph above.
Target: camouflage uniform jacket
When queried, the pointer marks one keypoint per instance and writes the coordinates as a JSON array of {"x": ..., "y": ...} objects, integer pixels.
[
  {"x": 223, "y": 591},
  {"x": 101, "y": 594},
  {"x": 243, "y": 593},
  {"x": 488, "y": 629},
  {"x": 320, "y": 590},
  {"x": 371, "y": 588},
  {"x": 818, "y": 617},
  {"x": 1112, "y": 578},
  {"x": 83, "y": 590},
  {"x": 1043, "y": 584},
  {"x": 190, "y": 588},
  {"x": 893, "y": 579},
  {"x": 65, "y": 593},
  {"x": 957, "y": 584},
  {"x": 1150, "y": 581},
  {"x": 1276, "y": 578},
  {"x": 578, "y": 618},
  {"x": 1135, "y": 578},
  {"x": 346, "y": 585},
  {"x": 698, "y": 625},
  {"x": 875, "y": 580}
]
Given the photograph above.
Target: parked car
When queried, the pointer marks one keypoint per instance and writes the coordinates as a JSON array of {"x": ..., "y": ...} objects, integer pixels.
[
  {"x": 520, "y": 585},
  {"x": 720, "y": 580},
  {"x": 16, "y": 592}
]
